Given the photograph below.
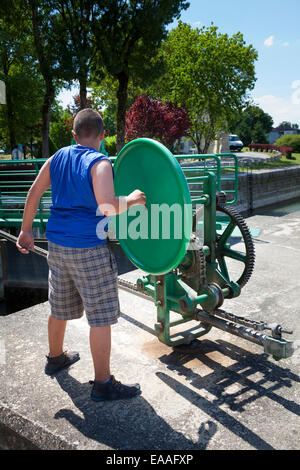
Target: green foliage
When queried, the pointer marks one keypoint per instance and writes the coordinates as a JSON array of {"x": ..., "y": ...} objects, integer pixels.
[
  {"x": 104, "y": 95},
  {"x": 287, "y": 125},
  {"x": 21, "y": 115},
  {"x": 60, "y": 135},
  {"x": 252, "y": 125},
  {"x": 209, "y": 73},
  {"x": 25, "y": 88},
  {"x": 128, "y": 35},
  {"x": 109, "y": 119},
  {"x": 74, "y": 29},
  {"x": 290, "y": 141},
  {"x": 110, "y": 144}
]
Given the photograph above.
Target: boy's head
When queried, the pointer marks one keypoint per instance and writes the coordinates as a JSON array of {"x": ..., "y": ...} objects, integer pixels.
[{"x": 88, "y": 127}]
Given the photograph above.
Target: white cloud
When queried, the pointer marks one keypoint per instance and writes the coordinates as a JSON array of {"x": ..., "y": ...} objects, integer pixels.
[
  {"x": 296, "y": 94},
  {"x": 269, "y": 41},
  {"x": 282, "y": 109},
  {"x": 285, "y": 44},
  {"x": 197, "y": 24}
]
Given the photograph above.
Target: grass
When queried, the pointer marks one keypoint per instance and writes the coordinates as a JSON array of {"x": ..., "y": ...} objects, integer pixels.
[
  {"x": 279, "y": 163},
  {"x": 283, "y": 162}
]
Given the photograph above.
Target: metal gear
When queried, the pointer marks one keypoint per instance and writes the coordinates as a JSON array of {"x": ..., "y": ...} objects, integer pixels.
[
  {"x": 195, "y": 273},
  {"x": 236, "y": 220}
]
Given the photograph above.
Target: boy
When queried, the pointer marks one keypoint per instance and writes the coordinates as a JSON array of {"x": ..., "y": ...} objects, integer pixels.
[{"x": 82, "y": 268}]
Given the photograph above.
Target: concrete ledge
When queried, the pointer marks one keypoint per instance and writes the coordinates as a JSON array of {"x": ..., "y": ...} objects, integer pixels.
[
  {"x": 227, "y": 396},
  {"x": 267, "y": 187},
  {"x": 14, "y": 428}
]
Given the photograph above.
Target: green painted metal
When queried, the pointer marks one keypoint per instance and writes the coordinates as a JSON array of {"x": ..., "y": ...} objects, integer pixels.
[
  {"x": 149, "y": 166},
  {"x": 225, "y": 166},
  {"x": 14, "y": 189}
]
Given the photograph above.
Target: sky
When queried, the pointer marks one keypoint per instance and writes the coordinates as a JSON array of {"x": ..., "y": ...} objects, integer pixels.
[{"x": 273, "y": 29}]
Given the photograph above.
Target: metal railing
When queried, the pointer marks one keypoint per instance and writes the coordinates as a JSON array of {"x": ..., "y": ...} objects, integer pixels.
[
  {"x": 16, "y": 177},
  {"x": 224, "y": 166}
]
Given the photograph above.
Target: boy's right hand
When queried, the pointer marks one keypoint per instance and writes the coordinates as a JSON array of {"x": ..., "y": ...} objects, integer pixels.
[
  {"x": 25, "y": 242},
  {"x": 136, "y": 197}
]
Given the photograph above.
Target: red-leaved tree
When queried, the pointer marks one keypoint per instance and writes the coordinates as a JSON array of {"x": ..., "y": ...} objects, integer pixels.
[{"x": 156, "y": 119}]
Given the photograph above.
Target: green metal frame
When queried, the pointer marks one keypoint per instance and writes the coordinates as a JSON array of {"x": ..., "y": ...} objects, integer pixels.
[
  {"x": 12, "y": 217},
  {"x": 225, "y": 167},
  {"x": 171, "y": 293},
  {"x": 13, "y": 193}
]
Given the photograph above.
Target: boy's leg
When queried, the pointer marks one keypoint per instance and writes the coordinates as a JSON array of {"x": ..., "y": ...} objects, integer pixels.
[
  {"x": 100, "y": 343},
  {"x": 58, "y": 359},
  {"x": 56, "y": 334}
]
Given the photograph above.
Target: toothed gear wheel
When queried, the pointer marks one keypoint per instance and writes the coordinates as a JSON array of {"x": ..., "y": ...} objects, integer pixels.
[{"x": 223, "y": 251}]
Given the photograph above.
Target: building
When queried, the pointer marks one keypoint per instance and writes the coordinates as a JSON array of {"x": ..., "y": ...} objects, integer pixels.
[
  {"x": 277, "y": 132},
  {"x": 220, "y": 145}
]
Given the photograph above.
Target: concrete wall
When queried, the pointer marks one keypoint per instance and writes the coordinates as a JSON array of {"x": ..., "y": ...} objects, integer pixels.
[
  {"x": 268, "y": 187},
  {"x": 260, "y": 188}
]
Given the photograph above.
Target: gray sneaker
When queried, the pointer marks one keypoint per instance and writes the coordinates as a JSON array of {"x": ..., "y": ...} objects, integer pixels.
[
  {"x": 113, "y": 390},
  {"x": 55, "y": 364}
]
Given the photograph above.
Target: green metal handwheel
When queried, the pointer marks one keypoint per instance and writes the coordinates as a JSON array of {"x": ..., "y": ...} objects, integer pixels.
[{"x": 154, "y": 238}]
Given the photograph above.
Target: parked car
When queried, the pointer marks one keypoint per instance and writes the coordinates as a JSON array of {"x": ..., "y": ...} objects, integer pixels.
[
  {"x": 235, "y": 143},
  {"x": 1, "y": 151}
]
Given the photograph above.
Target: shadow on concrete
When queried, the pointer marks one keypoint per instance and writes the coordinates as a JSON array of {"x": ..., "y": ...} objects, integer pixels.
[
  {"x": 134, "y": 424},
  {"x": 271, "y": 378},
  {"x": 125, "y": 424},
  {"x": 141, "y": 325}
]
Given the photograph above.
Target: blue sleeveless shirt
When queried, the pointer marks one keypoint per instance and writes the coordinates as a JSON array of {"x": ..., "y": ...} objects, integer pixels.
[{"x": 73, "y": 215}]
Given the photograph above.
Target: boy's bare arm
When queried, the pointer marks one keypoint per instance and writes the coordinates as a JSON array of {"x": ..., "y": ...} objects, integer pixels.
[
  {"x": 103, "y": 184},
  {"x": 42, "y": 182}
]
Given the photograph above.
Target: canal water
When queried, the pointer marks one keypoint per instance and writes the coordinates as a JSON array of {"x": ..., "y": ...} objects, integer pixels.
[
  {"x": 279, "y": 209},
  {"x": 21, "y": 294}
]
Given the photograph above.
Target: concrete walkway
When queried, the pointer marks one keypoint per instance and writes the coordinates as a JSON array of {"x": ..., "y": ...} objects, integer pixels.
[
  {"x": 228, "y": 396},
  {"x": 255, "y": 157}
]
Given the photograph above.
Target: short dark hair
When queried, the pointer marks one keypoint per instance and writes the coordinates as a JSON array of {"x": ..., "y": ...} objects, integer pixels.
[{"x": 88, "y": 123}]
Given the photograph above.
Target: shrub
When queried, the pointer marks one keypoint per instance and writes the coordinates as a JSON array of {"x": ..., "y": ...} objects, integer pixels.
[
  {"x": 156, "y": 119},
  {"x": 290, "y": 141},
  {"x": 284, "y": 150},
  {"x": 111, "y": 145}
]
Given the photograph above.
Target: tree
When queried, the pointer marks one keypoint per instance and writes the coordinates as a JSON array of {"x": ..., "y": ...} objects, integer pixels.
[
  {"x": 72, "y": 110},
  {"x": 128, "y": 34},
  {"x": 210, "y": 74},
  {"x": 60, "y": 133},
  {"x": 153, "y": 118},
  {"x": 52, "y": 54},
  {"x": 74, "y": 25},
  {"x": 252, "y": 125},
  {"x": 20, "y": 116},
  {"x": 290, "y": 141},
  {"x": 76, "y": 107},
  {"x": 287, "y": 125},
  {"x": 104, "y": 96}
]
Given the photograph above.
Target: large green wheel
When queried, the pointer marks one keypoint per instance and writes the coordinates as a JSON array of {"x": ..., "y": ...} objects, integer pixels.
[{"x": 153, "y": 240}]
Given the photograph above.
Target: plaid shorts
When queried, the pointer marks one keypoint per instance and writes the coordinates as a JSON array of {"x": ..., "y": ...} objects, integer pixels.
[{"x": 83, "y": 279}]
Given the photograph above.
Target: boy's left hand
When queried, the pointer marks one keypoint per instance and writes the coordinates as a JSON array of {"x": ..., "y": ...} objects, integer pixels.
[{"x": 25, "y": 242}]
